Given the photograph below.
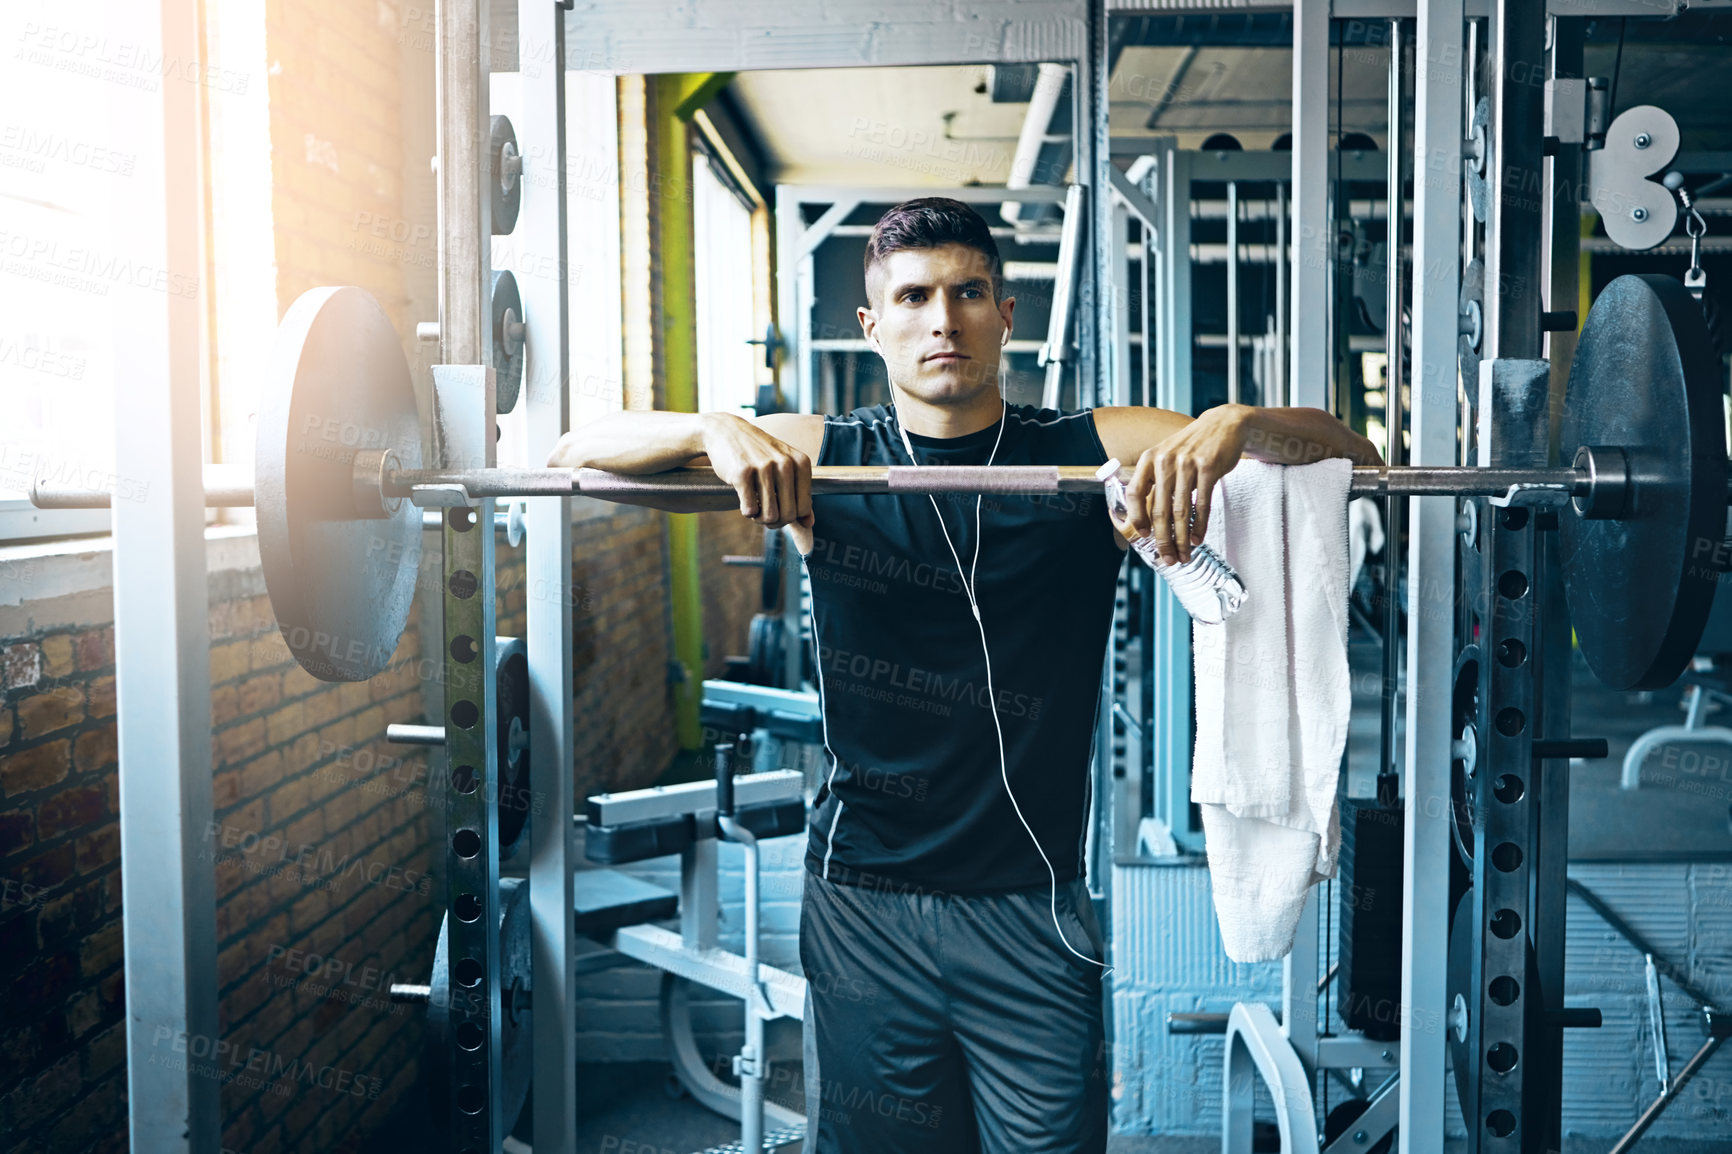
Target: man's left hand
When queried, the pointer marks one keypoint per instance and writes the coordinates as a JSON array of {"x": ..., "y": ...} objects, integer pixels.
[{"x": 1172, "y": 483}]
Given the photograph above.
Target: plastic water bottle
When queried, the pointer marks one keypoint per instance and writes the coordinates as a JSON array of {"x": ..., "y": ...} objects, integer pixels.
[{"x": 1205, "y": 585}]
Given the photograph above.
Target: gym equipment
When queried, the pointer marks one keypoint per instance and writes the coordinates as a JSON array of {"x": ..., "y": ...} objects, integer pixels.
[
  {"x": 338, "y": 401},
  {"x": 1640, "y": 573},
  {"x": 511, "y": 689},
  {"x": 338, "y": 488},
  {"x": 770, "y": 561},
  {"x": 505, "y": 193},
  {"x": 443, "y": 987},
  {"x": 507, "y": 330},
  {"x": 614, "y": 909}
]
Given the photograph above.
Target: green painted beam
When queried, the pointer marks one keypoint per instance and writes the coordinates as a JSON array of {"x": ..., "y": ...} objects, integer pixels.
[{"x": 677, "y": 96}]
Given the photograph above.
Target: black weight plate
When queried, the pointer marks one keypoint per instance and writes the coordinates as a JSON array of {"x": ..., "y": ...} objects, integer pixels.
[
  {"x": 340, "y": 585},
  {"x": 506, "y": 200},
  {"x": 516, "y": 1045},
  {"x": 765, "y": 655},
  {"x": 515, "y": 1035},
  {"x": 1464, "y": 713},
  {"x": 1340, "y": 1119},
  {"x": 1645, "y": 378},
  {"x": 770, "y": 583},
  {"x": 1459, "y": 983},
  {"x": 511, "y": 679},
  {"x": 1478, "y": 183},
  {"x": 1467, "y": 347},
  {"x": 507, "y": 308}
]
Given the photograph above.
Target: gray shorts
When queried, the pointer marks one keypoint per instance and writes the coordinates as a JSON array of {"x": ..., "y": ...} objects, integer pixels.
[{"x": 945, "y": 1023}]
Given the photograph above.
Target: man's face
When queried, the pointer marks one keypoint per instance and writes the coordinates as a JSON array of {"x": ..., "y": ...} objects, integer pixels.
[{"x": 936, "y": 324}]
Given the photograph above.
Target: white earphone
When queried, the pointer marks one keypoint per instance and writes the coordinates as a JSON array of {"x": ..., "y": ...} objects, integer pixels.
[{"x": 986, "y": 652}]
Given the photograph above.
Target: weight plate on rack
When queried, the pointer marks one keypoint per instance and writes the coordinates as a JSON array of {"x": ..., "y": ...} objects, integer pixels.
[
  {"x": 1471, "y": 307},
  {"x": 340, "y": 583},
  {"x": 507, "y": 310},
  {"x": 516, "y": 1045},
  {"x": 1478, "y": 184},
  {"x": 765, "y": 655},
  {"x": 1464, "y": 713},
  {"x": 770, "y": 584},
  {"x": 511, "y": 717},
  {"x": 506, "y": 189},
  {"x": 1645, "y": 378}
]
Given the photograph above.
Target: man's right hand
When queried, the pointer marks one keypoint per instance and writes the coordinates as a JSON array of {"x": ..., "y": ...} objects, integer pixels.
[{"x": 773, "y": 479}]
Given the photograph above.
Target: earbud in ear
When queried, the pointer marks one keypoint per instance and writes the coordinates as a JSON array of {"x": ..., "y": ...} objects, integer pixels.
[{"x": 1005, "y": 339}]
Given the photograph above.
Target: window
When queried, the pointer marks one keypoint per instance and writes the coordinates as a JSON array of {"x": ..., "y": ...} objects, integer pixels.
[
  {"x": 66, "y": 166},
  {"x": 722, "y": 227}
]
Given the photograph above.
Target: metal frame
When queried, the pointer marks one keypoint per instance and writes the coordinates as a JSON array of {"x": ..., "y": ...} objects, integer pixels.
[
  {"x": 1431, "y": 549},
  {"x": 162, "y": 639},
  {"x": 541, "y": 223}
]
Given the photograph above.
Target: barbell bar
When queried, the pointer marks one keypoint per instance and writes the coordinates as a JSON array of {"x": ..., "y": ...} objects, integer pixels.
[
  {"x": 340, "y": 490},
  {"x": 1601, "y": 472}
]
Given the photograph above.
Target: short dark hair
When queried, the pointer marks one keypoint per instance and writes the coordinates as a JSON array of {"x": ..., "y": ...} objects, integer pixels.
[{"x": 929, "y": 222}]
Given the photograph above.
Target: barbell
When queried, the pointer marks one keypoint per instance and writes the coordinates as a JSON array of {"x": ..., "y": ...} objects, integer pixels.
[{"x": 339, "y": 485}]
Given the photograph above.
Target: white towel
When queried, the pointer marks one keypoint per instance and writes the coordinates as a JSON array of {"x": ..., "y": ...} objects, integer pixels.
[{"x": 1273, "y": 700}]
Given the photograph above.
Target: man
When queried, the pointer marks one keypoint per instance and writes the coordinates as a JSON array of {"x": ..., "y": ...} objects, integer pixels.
[{"x": 951, "y": 955}]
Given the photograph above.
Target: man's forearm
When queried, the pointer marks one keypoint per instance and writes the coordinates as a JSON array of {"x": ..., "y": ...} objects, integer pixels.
[
  {"x": 1298, "y": 436},
  {"x": 636, "y": 441}
]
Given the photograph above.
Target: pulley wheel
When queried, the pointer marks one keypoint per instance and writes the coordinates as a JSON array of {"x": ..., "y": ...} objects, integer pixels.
[
  {"x": 1645, "y": 378},
  {"x": 340, "y": 583}
]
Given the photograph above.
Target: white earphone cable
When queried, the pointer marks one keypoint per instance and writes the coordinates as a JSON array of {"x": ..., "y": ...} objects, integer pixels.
[{"x": 968, "y": 586}]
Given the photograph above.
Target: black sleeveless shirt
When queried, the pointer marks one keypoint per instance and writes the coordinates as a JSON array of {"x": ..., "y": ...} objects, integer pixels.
[{"x": 912, "y": 794}]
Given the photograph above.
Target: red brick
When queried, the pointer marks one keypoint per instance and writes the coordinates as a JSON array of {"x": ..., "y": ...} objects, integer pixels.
[
  {"x": 16, "y": 831},
  {"x": 101, "y": 695},
  {"x": 262, "y": 773},
  {"x": 260, "y": 693},
  {"x": 308, "y": 831},
  {"x": 37, "y": 768},
  {"x": 97, "y": 1113},
  {"x": 46, "y": 981},
  {"x": 64, "y": 919},
  {"x": 69, "y": 809},
  {"x": 229, "y": 661},
  {"x": 225, "y": 789},
  {"x": 20, "y": 666},
  {"x": 96, "y": 749},
  {"x": 95, "y": 649},
  {"x": 57, "y": 658},
  {"x": 106, "y": 1051},
  {"x": 44, "y": 1096},
  {"x": 271, "y": 652},
  {"x": 237, "y": 743},
  {"x": 101, "y": 950},
  {"x": 285, "y": 724},
  {"x": 20, "y": 1051},
  {"x": 98, "y": 849},
  {"x": 225, "y": 705}
]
